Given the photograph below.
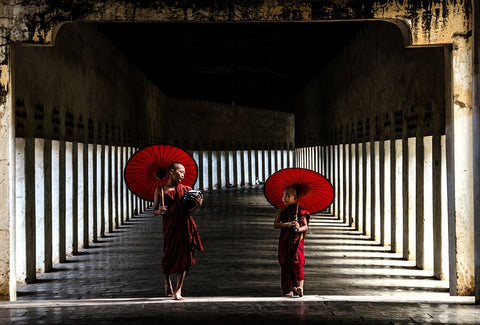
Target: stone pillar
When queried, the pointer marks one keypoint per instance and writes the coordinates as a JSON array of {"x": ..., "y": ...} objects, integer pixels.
[
  {"x": 397, "y": 193},
  {"x": 62, "y": 191},
  {"x": 437, "y": 188},
  {"x": 210, "y": 170},
  {"x": 242, "y": 168},
  {"x": 47, "y": 190},
  {"x": 383, "y": 186},
  {"x": 405, "y": 192},
  {"x": 8, "y": 285},
  {"x": 427, "y": 246},
  {"x": 30, "y": 234},
  {"x": 460, "y": 168},
  {"x": 387, "y": 175},
  {"x": 39, "y": 203},
  {"x": 86, "y": 188},
  {"x": 227, "y": 168},
  {"x": 419, "y": 196},
  {"x": 94, "y": 197},
  {"x": 115, "y": 178},
  {"x": 101, "y": 179},
  {"x": 74, "y": 186},
  {"x": 373, "y": 185},
  {"x": 364, "y": 181},
  {"x": 361, "y": 188},
  {"x": 201, "y": 181},
  {"x": 356, "y": 178},
  {"x": 219, "y": 169},
  {"x": 351, "y": 177},
  {"x": 393, "y": 180},
  {"x": 476, "y": 142},
  {"x": 411, "y": 196},
  {"x": 109, "y": 177}
]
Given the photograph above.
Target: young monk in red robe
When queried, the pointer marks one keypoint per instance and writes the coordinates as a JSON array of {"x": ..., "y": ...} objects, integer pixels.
[
  {"x": 291, "y": 255},
  {"x": 181, "y": 236}
]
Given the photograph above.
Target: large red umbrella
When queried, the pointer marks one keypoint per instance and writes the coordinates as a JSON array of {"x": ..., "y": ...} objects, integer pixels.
[
  {"x": 314, "y": 190},
  {"x": 147, "y": 169}
]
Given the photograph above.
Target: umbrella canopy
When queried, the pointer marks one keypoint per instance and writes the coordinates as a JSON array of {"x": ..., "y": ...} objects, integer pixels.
[
  {"x": 147, "y": 169},
  {"x": 314, "y": 190}
]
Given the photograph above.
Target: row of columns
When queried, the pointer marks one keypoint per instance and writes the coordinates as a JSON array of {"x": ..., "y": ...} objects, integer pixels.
[
  {"x": 68, "y": 194},
  {"x": 393, "y": 191},
  {"x": 233, "y": 168}
]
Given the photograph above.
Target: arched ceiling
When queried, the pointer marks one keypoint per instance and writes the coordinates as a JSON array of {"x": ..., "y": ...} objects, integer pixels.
[{"x": 259, "y": 65}]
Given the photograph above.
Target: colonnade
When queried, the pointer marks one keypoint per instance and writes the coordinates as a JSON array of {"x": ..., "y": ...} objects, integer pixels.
[
  {"x": 393, "y": 191},
  {"x": 69, "y": 194}
]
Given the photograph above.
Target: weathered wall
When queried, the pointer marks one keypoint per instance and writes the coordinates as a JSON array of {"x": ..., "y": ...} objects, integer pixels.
[
  {"x": 422, "y": 23},
  {"x": 204, "y": 125},
  {"x": 374, "y": 84},
  {"x": 85, "y": 82}
]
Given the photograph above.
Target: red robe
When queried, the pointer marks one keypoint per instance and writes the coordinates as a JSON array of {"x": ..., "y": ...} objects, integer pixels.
[
  {"x": 290, "y": 248},
  {"x": 181, "y": 236}
]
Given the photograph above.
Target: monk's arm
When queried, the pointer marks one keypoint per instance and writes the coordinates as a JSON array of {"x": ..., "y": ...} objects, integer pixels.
[{"x": 278, "y": 224}]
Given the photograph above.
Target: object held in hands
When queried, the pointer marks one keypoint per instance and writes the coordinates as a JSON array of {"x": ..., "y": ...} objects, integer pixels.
[{"x": 188, "y": 201}]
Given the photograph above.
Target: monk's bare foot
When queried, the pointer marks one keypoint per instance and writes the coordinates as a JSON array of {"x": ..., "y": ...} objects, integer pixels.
[
  {"x": 299, "y": 291},
  {"x": 290, "y": 294},
  {"x": 178, "y": 296},
  {"x": 168, "y": 290}
]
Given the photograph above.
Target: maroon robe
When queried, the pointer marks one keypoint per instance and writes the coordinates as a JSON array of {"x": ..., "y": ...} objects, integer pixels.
[
  {"x": 181, "y": 236},
  {"x": 290, "y": 248}
]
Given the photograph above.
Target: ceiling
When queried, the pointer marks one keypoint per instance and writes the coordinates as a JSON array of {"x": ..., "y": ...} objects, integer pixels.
[{"x": 259, "y": 65}]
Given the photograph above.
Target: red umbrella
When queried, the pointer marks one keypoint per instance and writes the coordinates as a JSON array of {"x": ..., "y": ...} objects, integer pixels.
[
  {"x": 314, "y": 190},
  {"x": 147, "y": 169}
]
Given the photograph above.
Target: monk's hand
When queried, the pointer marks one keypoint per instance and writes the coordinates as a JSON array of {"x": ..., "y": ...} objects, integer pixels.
[
  {"x": 198, "y": 200},
  {"x": 162, "y": 209}
]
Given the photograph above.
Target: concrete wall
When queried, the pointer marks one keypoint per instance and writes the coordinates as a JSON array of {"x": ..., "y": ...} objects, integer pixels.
[
  {"x": 79, "y": 107},
  {"x": 212, "y": 126},
  {"x": 375, "y": 83},
  {"x": 423, "y": 23},
  {"x": 385, "y": 139},
  {"x": 82, "y": 82}
]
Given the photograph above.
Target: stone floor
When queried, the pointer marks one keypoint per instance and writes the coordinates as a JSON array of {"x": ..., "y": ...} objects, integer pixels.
[{"x": 348, "y": 278}]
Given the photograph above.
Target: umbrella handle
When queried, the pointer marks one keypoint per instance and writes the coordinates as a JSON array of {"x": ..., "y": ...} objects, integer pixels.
[
  {"x": 296, "y": 216},
  {"x": 163, "y": 200}
]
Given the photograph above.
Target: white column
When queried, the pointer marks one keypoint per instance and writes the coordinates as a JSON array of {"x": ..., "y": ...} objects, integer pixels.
[
  {"x": 459, "y": 133},
  {"x": 428, "y": 247},
  {"x": 411, "y": 195},
  {"x": 69, "y": 199},
  {"x": 399, "y": 195},
  {"x": 80, "y": 189},
  {"x": 387, "y": 194},
  {"x": 21, "y": 263},
  {"x": 376, "y": 194},
  {"x": 55, "y": 202},
  {"x": 39, "y": 207},
  {"x": 361, "y": 189},
  {"x": 368, "y": 190},
  {"x": 91, "y": 207}
]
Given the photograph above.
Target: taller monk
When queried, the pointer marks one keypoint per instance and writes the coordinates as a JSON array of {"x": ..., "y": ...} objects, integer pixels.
[{"x": 181, "y": 237}]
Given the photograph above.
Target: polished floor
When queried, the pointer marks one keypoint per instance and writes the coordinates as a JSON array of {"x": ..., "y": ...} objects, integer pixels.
[{"x": 349, "y": 279}]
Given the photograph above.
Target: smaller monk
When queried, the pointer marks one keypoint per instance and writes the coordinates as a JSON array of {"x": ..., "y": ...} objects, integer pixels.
[
  {"x": 293, "y": 223},
  {"x": 181, "y": 237}
]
